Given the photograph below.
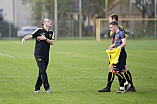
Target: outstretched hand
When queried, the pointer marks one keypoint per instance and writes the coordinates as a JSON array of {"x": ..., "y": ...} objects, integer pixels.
[
  {"x": 23, "y": 40},
  {"x": 26, "y": 38}
]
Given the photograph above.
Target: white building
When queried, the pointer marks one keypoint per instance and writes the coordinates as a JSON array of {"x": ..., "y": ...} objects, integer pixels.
[{"x": 15, "y": 12}]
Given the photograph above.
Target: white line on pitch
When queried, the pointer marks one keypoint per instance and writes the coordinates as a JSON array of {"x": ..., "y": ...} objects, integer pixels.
[{"x": 7, "y": 55}]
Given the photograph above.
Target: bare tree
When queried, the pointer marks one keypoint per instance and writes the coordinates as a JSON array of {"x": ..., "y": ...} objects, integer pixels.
[{"x": 145, "y": 6}]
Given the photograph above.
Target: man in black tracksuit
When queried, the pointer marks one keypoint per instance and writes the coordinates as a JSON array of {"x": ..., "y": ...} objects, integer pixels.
[{"x": 44, "y": 38}]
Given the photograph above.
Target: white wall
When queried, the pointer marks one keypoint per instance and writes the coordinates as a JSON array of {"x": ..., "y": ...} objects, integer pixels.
[
  {"x": 19, "y": 16},
  {"x": 7, "y": 6}
]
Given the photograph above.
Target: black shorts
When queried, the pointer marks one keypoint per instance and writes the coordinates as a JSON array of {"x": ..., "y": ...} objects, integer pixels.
[{"x": 122, "y": 60}]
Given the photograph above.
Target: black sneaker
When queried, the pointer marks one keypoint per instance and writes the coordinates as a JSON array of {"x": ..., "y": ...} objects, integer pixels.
[
  {"x": 104, "y": 90},
  {"x": 131, "y": 89}
]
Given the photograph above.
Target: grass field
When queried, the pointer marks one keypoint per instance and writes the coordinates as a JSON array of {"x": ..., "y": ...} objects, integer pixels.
[{"x": 77, "y": 69}]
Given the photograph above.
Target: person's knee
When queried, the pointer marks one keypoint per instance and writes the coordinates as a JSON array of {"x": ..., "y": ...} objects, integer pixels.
[
  {"x": 42, "y": 71},
  {"x": 126, "y": 69},
  {"x": 110, "y": 68}
]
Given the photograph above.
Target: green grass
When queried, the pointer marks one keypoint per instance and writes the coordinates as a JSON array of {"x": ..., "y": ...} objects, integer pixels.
[{"x": 77, "y": 69}]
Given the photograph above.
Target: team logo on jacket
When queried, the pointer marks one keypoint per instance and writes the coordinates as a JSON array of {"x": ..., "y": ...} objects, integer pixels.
[
  {"x": 39, "y": 59},
  {"x": 50, "y": 35},
  {"x": 43, "y": 34},
  {"x": 123, "y": 37},
  {"x": 115, "y": 40}
]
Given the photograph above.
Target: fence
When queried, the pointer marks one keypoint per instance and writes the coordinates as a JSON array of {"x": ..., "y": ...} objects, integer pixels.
[
  {"x": 134, "y": 27},
  {"x": 67, "y": 29},
  {"x": 7, "y": 30}
]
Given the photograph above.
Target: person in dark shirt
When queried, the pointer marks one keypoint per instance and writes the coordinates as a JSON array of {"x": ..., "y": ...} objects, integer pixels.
[
  {"x": 119, "y": 40},
  {"x": 44, "y": 38},
  {"x": 111, "y": 75}
]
